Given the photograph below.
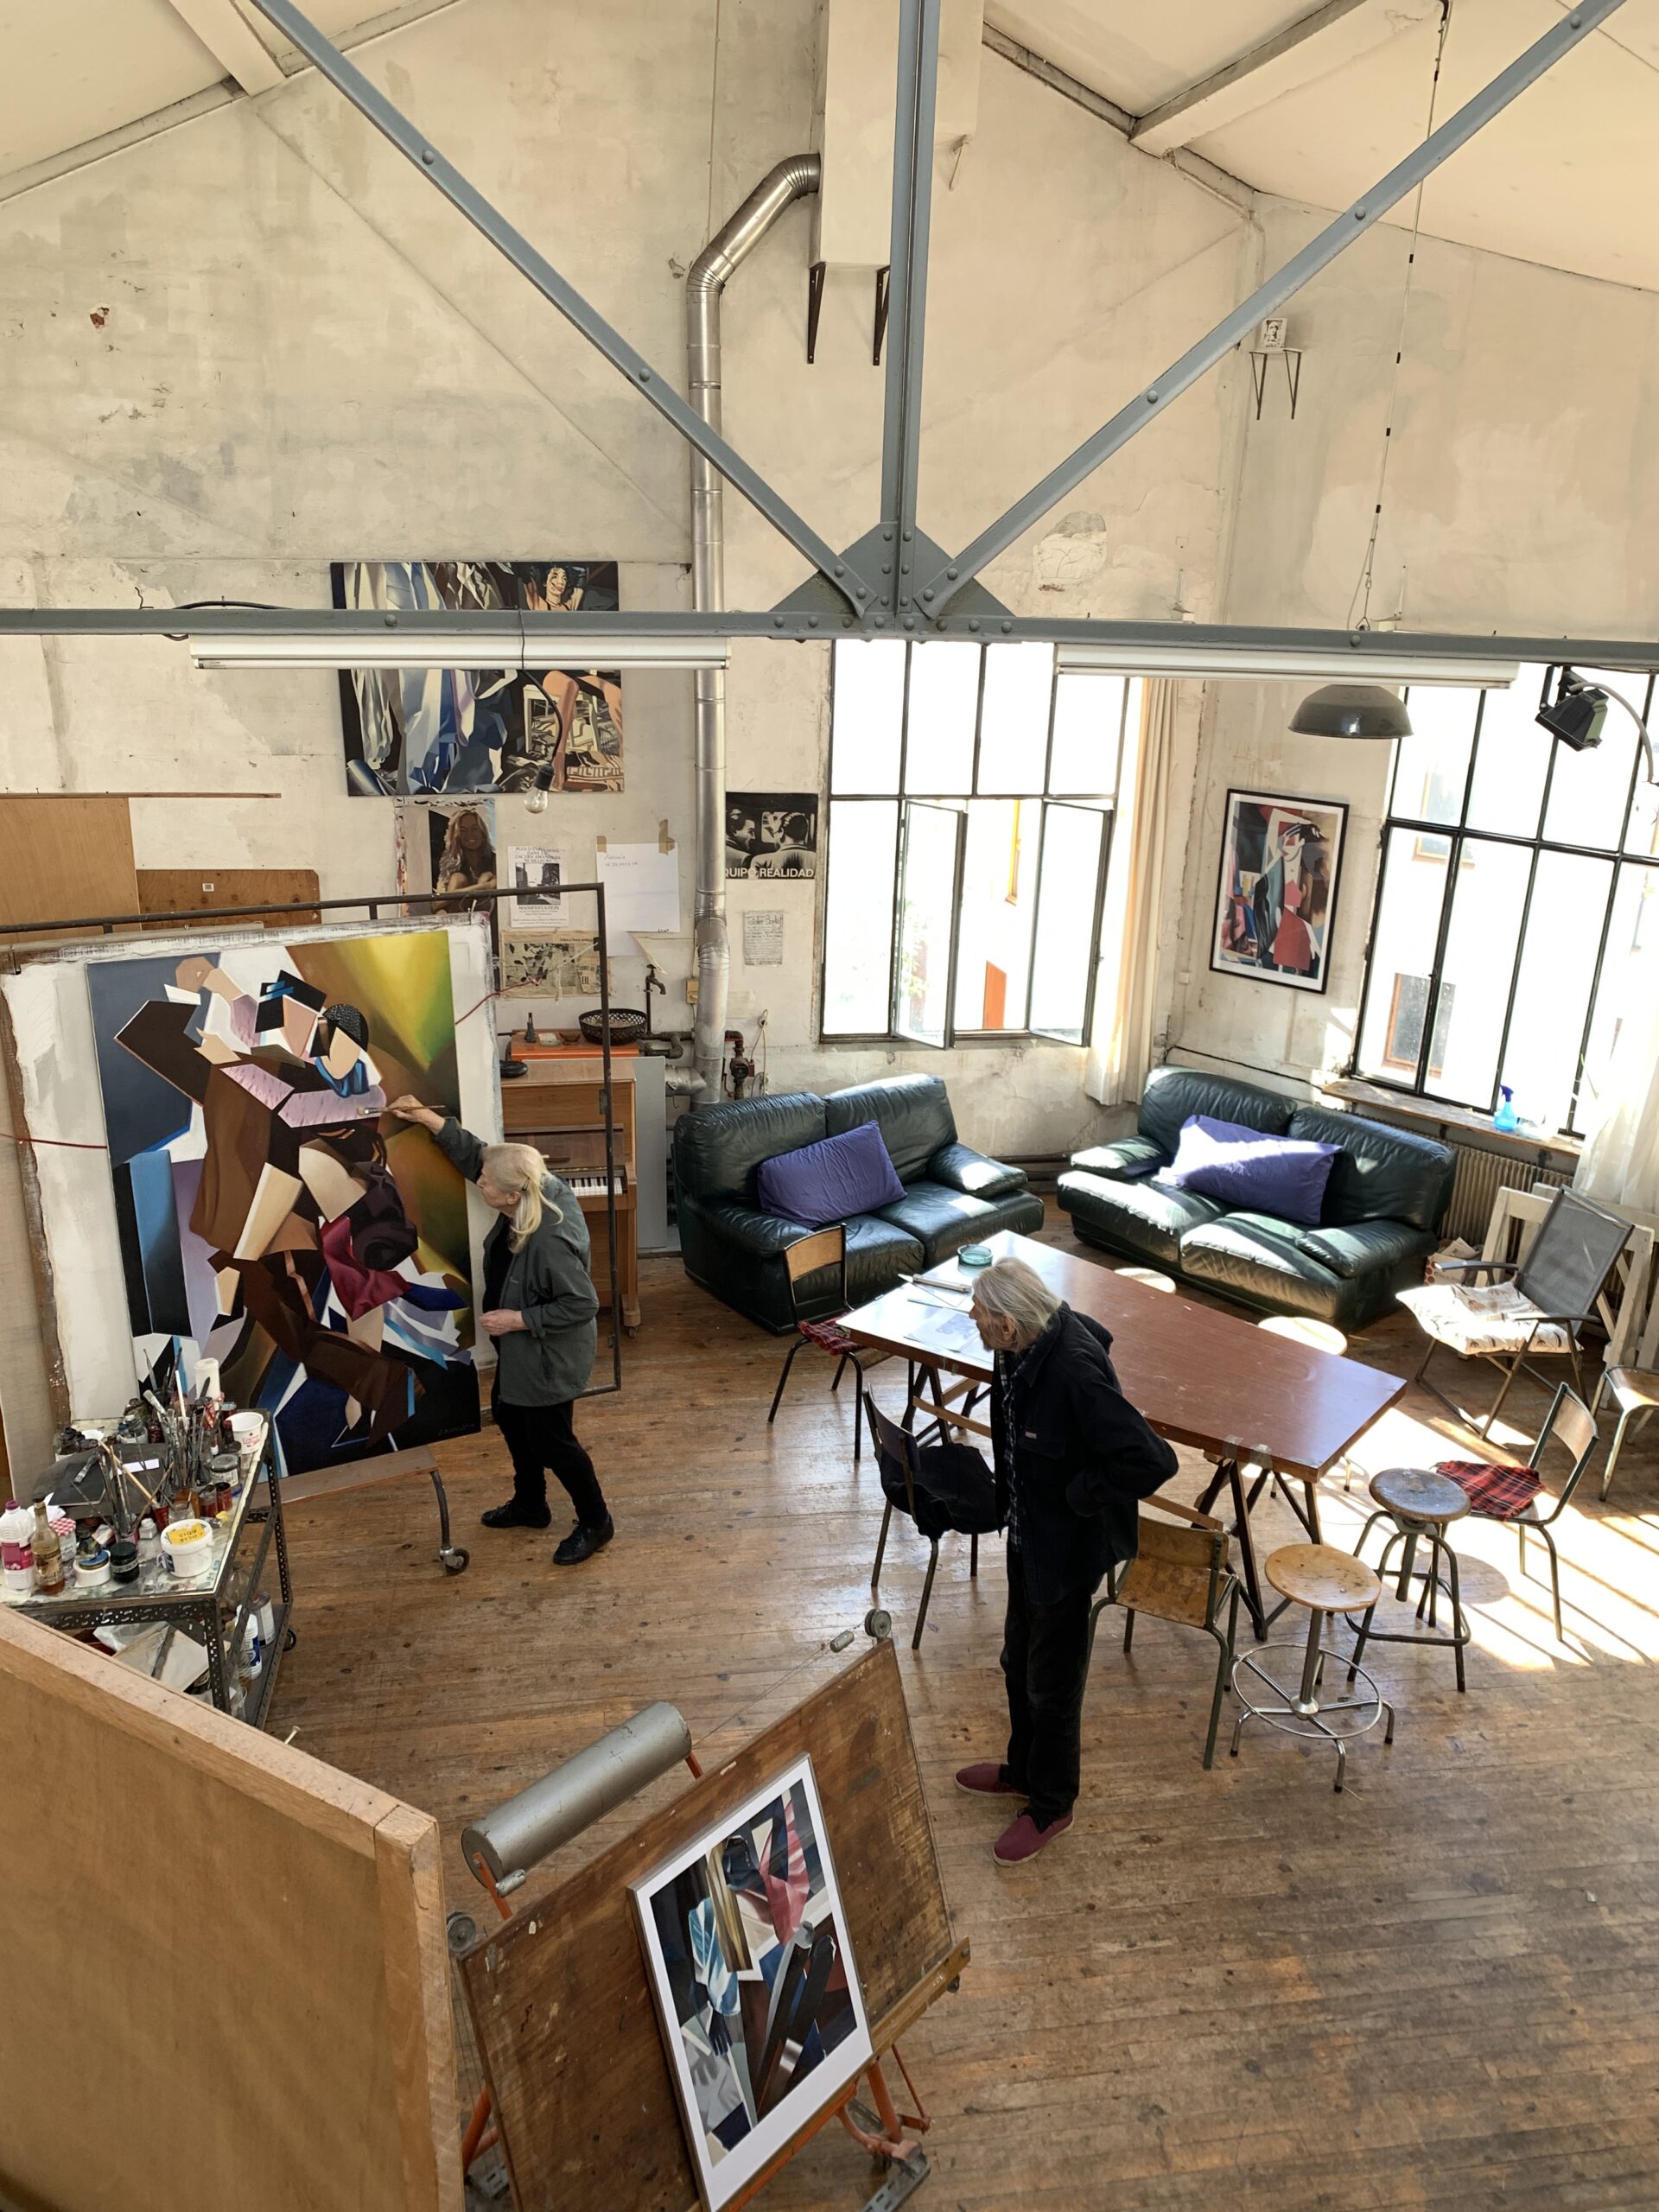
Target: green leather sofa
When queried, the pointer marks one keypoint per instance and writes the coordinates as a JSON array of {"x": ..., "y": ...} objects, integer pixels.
[
  {"x": 1382, "y": 1204},
  {"x": 952, "y": 1195}
]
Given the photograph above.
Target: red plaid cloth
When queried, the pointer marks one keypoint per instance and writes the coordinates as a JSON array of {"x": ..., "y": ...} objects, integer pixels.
[
  {"x": 1496, "y": 1493},
  {"x": 829, "y": 1336}
]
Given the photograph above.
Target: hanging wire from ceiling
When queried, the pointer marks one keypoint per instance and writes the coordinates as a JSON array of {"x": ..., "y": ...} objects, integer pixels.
[{"x": 1362, "y": 596}]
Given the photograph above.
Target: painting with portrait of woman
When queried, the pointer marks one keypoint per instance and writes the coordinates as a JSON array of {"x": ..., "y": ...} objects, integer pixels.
[{"x": 1276, "y": 898}]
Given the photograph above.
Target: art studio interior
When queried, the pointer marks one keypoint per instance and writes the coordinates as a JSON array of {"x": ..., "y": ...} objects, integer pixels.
[{"x": 830, "y": 1002}]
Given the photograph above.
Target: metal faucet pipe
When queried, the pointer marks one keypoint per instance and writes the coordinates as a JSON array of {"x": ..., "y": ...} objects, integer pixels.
[{"x": 719, "y": 261}]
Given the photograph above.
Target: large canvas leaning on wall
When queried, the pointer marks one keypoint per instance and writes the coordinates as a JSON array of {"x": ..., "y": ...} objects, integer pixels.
[
  {"x": 747, "y": 1950},
  {"x": 272, "y": 1217},
  {"x": 1277, "y": 901},
  {"x": 431, "y": 733}
]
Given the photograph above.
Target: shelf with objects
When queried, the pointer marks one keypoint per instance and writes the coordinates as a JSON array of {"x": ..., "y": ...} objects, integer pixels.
[{"x": 167, "y": 1538}]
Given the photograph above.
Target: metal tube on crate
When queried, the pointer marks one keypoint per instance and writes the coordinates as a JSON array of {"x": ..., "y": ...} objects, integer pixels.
[{"x": 516, "y": 1836}]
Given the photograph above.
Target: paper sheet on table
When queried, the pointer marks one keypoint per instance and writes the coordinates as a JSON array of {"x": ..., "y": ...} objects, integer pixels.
[
  {"x": 642, "y": 892},
  {"x": 937, "y": 1329},
  {"x": 186, "y": 1661}
]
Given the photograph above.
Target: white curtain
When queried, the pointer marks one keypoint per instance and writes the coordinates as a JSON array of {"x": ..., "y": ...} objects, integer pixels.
[
  {"x": 1120, "y": 1051},
  {"x": 1619, "y": 1166}
]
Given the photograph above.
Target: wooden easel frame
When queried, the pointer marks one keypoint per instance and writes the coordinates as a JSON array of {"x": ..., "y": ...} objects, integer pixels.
[{"x": 561, "y": 2009}]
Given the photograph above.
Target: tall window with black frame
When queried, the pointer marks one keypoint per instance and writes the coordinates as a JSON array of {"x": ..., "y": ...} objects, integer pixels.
[
  {"x": 971, "y": 800},
  {"x": 1518, "y": 886}
]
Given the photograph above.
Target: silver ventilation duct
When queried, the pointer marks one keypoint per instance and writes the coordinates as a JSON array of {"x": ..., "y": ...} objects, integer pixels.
[{"x": 725, "y": 252}]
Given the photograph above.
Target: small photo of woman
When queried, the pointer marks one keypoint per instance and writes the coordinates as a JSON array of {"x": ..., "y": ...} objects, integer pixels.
[{"x": 463, "y": 852}]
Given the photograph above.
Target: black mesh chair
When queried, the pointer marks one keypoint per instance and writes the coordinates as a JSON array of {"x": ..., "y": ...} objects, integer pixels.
[
  {"x": 943, "y": 1487},
  {"x": 1565, "y": 1271}
]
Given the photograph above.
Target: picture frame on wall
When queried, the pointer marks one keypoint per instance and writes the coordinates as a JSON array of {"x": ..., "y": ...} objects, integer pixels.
[{"x": 1276, "y": 898}]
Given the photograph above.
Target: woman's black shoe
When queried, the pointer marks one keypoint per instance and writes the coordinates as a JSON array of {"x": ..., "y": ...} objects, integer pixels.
[
  {"x": 582, "y": 1543},
  {"x": 512, "y": 1515}
]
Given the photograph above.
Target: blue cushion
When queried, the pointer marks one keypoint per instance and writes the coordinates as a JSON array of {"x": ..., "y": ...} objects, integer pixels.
[
  {"x": 1283, "y": 1176},
  {"x": 831, "y": 1180}
]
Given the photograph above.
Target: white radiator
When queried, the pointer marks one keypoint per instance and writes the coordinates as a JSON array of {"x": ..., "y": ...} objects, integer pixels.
[{"x": 1477, "y": 1181}]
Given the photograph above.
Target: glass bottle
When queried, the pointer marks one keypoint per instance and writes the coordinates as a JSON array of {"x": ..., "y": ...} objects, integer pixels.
[{"x": 48, "y": 1554}]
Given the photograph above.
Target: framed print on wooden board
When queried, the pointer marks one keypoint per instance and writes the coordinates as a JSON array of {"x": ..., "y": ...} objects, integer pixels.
[
  {"x": 748, "y": 1958},
  {"x": 1276, "y": 900}
]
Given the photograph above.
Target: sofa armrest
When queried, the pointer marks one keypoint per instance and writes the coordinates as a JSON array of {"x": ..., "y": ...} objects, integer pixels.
[
  {"x": 961, "y": 1168},
  {"x": 746, "y": 1229},
  {"x": 1128, "y": 1159},
  {"x": 1366, "y": 1248}
]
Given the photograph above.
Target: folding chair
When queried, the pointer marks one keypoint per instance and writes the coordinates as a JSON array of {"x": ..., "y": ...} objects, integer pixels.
[
  {"x": 1499, "y": 1492},
  {"x": 1180, "y": 1575},
  {"x": 1539, "y": 1311},
  {"x": 899, "y": 1456},
  {"x": 807, "y": 1256}
]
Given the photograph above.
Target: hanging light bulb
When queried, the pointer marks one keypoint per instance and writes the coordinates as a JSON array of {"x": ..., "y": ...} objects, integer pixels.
[{"x": 536, "y": 797}]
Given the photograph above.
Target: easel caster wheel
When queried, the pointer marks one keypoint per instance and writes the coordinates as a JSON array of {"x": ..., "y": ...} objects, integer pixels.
[
  {"x": 291, "y": 1637},
  {"x": 456, "y": 1560},
  {"x": 631, "y": 1329},
  {"x": 878, "y": 1623}
]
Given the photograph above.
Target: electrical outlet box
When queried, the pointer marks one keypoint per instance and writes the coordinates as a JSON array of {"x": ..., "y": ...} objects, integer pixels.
[{"x": 690, "y": 990}]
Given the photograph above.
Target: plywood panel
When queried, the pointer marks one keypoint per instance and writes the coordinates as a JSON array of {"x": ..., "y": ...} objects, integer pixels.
[
  {"x": 194, "y": 1908},
  {"x": 66, "y": 858},
  {"x": 559, "y": 1998},
  {"x": 184, "y": 890}
]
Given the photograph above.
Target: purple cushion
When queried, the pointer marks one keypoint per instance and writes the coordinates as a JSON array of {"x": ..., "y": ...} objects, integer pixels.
[
  {"x": 829, "y": 1180},
  {"x": 1244, "y": 1167}
]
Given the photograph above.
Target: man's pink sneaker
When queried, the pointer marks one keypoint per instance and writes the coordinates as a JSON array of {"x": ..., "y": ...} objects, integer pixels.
[{"x": 1024, "y": 1840}]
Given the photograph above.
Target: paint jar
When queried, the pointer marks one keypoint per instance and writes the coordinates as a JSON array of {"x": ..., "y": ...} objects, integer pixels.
[
  {"x": 224, "y": 1473},
  {"x": 188, "y": 1548},
  {"x": 123, "y": 1561},
  {"x": 150, "y": 1543},
  {"x": 66, "y": 1533},
  {"x": 92, "y": 1572}
]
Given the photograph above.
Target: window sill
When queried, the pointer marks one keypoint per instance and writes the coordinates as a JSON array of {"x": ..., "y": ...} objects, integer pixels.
[
  {"x": 1449, "y": 1122},
  {"x": 965, "y": 1040}
]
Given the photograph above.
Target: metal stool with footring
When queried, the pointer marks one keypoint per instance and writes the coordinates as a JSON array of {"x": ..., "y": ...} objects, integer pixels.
[
  {"x": 1326, "y": 1581},
  {"x": 1422, "y": 1504}
]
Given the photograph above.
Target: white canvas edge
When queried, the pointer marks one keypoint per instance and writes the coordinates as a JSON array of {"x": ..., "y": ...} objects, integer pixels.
[
  {"x": 57, "y": 1062},
  {"x": 718, "y": 2184}
]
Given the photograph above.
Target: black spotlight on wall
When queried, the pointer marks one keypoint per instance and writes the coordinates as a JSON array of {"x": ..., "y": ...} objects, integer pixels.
[
  {"x": 1577, "y": 712},
  {"x": 1352, "y": 710}
]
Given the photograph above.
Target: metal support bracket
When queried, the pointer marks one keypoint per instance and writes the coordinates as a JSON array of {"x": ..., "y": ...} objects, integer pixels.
[
  {"x": 468, "y": 200},
  {"x": 815, "y": 276},
  {"x": 1292, "y": 357},
  {"x": 881, "y": 278}
]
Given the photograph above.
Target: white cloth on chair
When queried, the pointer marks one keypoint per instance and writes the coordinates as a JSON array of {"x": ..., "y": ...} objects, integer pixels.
[{"x": 1495, "y": 1317}]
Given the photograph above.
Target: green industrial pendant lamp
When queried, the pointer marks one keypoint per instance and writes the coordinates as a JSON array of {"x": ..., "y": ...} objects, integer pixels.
[{"x": 1352, "y": 710}]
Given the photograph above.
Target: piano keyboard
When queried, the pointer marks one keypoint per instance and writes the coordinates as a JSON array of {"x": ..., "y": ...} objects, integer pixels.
[{"x": 591, "y": 1184}]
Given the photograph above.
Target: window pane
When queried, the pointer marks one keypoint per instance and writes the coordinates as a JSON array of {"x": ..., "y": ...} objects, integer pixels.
[
  {"x": 1433, "y": 763},
  {"x": 1642, "y": 834},
  {"x": 998, "y": 882},
  {"x": 1569, "y": 899},
  {"x": 939, "y": 733},
  {"x": 1510, "y": 760},
  {"x": 1088, "y": 733},
  {"x": 1074, "y": 842},
  {"x": 1487, "y": 898},
  {"x": 927, "y": 911},
  {"x": 1013, "y": 722},
  {"x": 1587, "y": 790},
  {"x": 1627, "y": 972},
  {"x": 1402, "y": 953},
  {"x": 869, "y": 710},
  {"x": 858, "y": 917}
]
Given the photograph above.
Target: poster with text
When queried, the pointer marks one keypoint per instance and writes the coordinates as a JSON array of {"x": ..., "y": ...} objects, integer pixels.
[
  {"x": 536, "y": 872},
  {"x": 772, "y": 835},
  {"x": 424, "y": 733}
]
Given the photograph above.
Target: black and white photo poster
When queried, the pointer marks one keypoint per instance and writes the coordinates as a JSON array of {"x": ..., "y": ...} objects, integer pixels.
[
  {"x": 536, "y": 872},
  {"x": 772, "y": 835}
]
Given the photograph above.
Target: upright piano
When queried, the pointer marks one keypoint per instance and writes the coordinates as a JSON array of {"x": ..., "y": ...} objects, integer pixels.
[{"x": 558, "y": 1106}]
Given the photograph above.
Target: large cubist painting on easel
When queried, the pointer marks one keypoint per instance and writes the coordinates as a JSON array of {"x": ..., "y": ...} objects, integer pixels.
[
  {"x": 747, "y": 1947},
  {"x": 272, "y": 1217}
]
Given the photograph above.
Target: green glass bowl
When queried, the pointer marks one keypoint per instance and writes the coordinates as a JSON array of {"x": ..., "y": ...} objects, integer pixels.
[{"x": 974, "y": 1255}]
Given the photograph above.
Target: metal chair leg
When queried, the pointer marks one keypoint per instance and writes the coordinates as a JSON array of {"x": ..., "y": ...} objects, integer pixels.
[
  {"x": 1497, "y": 1406},
  {"x": 1128, "y": 1626},
  {"x": 1624, "y": 1422},
  {"x": 858, "y": 1404},
  {"x": 1555, "y": 1582},
  {"x": 1459, "y": 1626},
  {"x": 973, "y": 1557},
  {"x": 881, "y": 1546},
  {"x": 840, "y": 1368},
  {"x": 777, "y": 1394},
  {"x": 1223, "y": 1668},
  {"x": 927, "y": 1592}
]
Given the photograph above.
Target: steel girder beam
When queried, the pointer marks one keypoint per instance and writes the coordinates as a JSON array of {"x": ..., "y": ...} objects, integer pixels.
[
  {"x": 660, "y": 390},
  {"x": 941, "y": 587},
  {"x": 564, "y": 639},
  {"x": 912, "y": 200}
]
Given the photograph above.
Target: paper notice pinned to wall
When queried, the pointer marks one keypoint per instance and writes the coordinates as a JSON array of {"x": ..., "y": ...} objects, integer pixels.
[
  {"x": 763, "y": 939},
  {"x": 642, "y": 892}
]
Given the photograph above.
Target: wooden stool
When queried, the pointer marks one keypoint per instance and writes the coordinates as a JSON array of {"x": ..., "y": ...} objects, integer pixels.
[
  {"x": 1150, "y": 1276},
  {"x": 1326, "y": 1581},
  {"x": 1421, "y": 1504}
]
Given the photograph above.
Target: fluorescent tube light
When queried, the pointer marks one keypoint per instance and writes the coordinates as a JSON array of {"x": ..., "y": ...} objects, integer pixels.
[
  {"x": 1268, "y": 663},
  {"x": 409, "y": 646}
]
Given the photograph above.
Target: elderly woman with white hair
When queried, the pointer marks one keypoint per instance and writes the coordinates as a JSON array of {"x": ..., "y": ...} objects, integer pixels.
[
  {"x": 539, "y": 1304},
  {"x": 1073, "y": 1459}
]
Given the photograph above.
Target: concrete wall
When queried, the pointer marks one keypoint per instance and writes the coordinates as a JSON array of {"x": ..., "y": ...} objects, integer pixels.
[
  {"x": 1516, "y": 499},
  {"x": 259, "y": 343}
]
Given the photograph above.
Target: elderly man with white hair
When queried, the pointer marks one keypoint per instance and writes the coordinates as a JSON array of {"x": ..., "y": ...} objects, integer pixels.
[{"x": 1073, "y": 1459}]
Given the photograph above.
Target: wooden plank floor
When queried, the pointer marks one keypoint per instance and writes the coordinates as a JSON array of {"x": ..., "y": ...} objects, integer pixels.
[{"x": 1436, "y": 1990}]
